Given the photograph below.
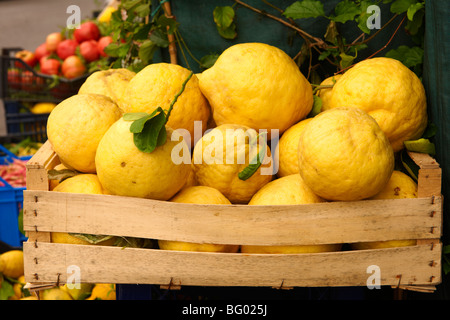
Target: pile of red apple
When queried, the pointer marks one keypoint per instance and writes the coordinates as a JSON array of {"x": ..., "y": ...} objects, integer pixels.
[{"x": 68, "y": 57}]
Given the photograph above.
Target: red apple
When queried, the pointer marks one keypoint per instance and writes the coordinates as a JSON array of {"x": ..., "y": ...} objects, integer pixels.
[
  {"x": 52, "y": 41},
  {"x": 73, "y": 67},
  {"x": 102, "y": 43},
  {"x": 50, "y": 66},
  {"x": 66, "y": 48},
  {"x": 30, "y": 82},
  {"x": 87, "y": 31},
  {"x": 27, "y": 56},
  {"x": 41, "y": 51},
  {"x": 13, "y": 78},
  {"x": 89, "y": 50}
]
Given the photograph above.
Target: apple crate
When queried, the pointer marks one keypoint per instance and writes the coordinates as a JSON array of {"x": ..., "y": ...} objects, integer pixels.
[{"x": 415, "y": 267}]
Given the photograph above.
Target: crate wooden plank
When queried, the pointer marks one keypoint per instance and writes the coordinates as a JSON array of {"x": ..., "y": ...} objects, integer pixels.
[
  {"x": 49, "y": 262},
  {"x": 333, "y": 222}
]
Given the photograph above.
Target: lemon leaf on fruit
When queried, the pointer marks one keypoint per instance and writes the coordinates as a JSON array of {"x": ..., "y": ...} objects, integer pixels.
[
  {"x": 91, "y": 238},
  {"x": 421, "y": 145},
  {"x": 410, "y": 166},
  {"x": 255, "y": 163}
]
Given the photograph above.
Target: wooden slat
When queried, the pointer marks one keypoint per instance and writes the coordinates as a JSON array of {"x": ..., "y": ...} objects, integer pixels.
[
  {"x": 97, "y": 264},
  {"x": 334, "y": 222}
]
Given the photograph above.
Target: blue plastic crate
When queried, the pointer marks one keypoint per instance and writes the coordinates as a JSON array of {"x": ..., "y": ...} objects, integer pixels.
[{"x": 11, "y": 204}]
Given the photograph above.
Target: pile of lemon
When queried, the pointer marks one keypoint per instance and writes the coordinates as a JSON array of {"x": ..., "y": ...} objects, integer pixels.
[{"x": 346, "y": 152}]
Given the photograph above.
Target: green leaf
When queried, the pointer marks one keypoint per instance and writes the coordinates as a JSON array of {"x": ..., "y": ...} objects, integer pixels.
[
  {"x": 400, "y": 6},
  {"x": 346, "y": 60},
  {"x": 430, "y": 131},
  {"x": 6, "y": 289},
  {"x": 128, "y": 4},
  {"x": 317, "y": 106},
  {"x": 165, "y": 22},
  {"x": 414, "y": 25},
  {"x": 143, "y": 10},
  {"x": 345, "y": 11},
  {"x": 146, "y": 51},
  {"x": 228, "y": 33},
  {"x": 208, "y": 61},
  {"x": 159, "y": 38},
  {"x": 153, "y": 133},
  {"x": 413, "y": 9},
  {"x": 223, "y": 16},
  {"x": 91, "y": 238},
  {"x": 304, "y": 9},
  {"x": 255, "y": 163},
  {"x": 410, "y": 166},
  {"x": 134, "y": 116},
  {"x": 420, "y": 145},
  {"x": 112, "y": 50},
  {"x": 139, "y": 123},
  {"x": 410, "y": 57}
]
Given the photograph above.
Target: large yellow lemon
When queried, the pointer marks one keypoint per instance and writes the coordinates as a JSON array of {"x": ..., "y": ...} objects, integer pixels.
[
  {"x": 287, "y": 149},
  {"x": 77, "y": 124},
  {"x": 11, "y": 263},
  {"x": 126, "y": 171},
  {"x": 257, "y": 85},
  {"x": 111, "y": 83},
  {"x": 344, "y": 155},
  {"x": 391, "y": 93},
  {"x": 156, "y": 86},
  {"x": 222, "y": 153}
]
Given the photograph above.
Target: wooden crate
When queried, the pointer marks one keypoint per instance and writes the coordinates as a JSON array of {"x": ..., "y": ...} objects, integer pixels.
[{"x": 415, "y": 267}]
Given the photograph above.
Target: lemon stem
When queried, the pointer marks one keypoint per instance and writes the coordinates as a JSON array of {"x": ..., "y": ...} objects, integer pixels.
[{"x": 183, "y": 86}]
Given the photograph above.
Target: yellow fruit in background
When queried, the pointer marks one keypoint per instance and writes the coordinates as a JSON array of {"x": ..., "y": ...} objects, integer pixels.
[
  {"x": 63, "y": 237},
  {"x": 54, "y": 182},
  {"x": 344, "y": 155},
  {"x": 199, "y": 195},
  {"x": 156, "y": 86},
  {"x": 81, "y": 183},
  {"x": 388, "y": 91},
  {"x": 257, "y": 85},
  {"x": 325, "y": 93},
  {"x": 17, "y": 287},
  {"x": 55, "y": 294},
  {"x": 290, "y": 189},
  {"x": 29, "y": 298},
  {"x": 125, "y": 170},
  {"x": 11, "y": 263},
  {"x": 222, "y": 153},
  {"x": 77, "y": 124},
  {"x": 111, "y": 83},
  {"x": 80, "y": 293},
  {"x": 287, "y": 149},
  {"x": 43, "y": 107},
  {"x": 287, "y": 190},
  {"x": 105, "y": 15},
  {"x": 103, "y": 291},
  {"x": 400, "y": 186}
]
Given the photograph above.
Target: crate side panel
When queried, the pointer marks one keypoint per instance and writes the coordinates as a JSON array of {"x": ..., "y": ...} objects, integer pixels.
[
  {"x": 397, "y": 266},
  {"x": 336, "y": 222}
]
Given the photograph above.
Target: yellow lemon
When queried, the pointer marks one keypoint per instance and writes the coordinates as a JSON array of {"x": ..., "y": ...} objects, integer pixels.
[
  {"x": 400, "y": 186},
  {"x": 11, "y": 263},
  {"x": 63, "y": 237},
  {"x": 325, "y": 93},
  {"x": 222, "y": 153},
  {"x": 81, "y": 293},
  {"x": 111, "y": 83},
  {"x": 156, "y": 86},
  {"x": 125, "y": 170},
  {"x": 287, "y": 149},
  {"x": 257, "y": 85},
  {"x": 43, "y": 107},
  {"x": 77, "y": 124},
  {"x": 391, "y": 93},
  {"x": 287, "y": 190},
  {"x": 17, "y": 287},
  {"x": 344, "y": 155},
  {"x": 55, "y": 294},
  {"x": 105, "y": 15},
  {"x": 81, "y": 183},
  {"x": 199, "y": 195},
  {"x": 29, "y": 298},
  {"x": 103, "y": 291}
]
